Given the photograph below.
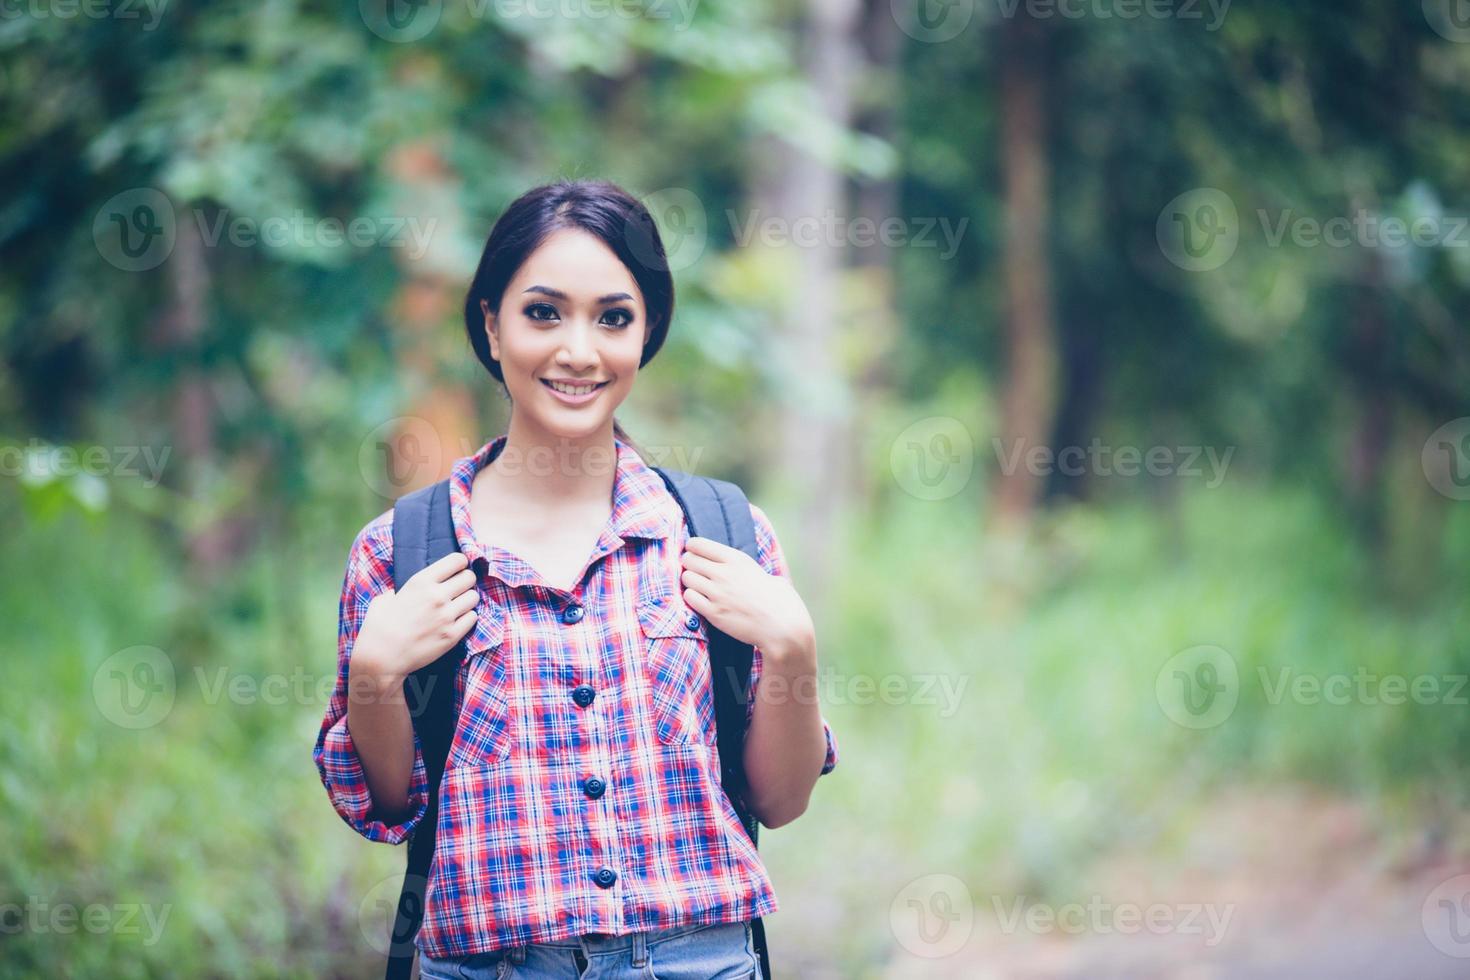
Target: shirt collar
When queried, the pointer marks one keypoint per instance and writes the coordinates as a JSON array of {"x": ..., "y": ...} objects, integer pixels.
[{"x": 642, "y": 507}]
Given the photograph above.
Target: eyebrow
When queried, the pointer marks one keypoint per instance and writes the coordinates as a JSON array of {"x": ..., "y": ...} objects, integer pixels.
[{"x": 558, "y": 294}]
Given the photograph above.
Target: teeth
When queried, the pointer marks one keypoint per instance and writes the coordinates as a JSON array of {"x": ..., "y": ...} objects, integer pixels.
[{"x": 571, "y": 389}]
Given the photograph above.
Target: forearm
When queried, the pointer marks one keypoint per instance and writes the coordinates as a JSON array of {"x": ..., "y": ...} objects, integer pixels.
[
  {"x": 382, "y": 732},
  {"x": 785, "y": 745}
]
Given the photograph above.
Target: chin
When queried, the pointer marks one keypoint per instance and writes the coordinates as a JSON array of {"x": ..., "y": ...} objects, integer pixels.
[{"x": 576, "y": 428}]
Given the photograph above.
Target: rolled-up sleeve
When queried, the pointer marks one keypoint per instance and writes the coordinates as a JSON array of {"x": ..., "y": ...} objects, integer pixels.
[
  {"x": 773, "y": 560},
  {"x": 369, "y": 572}
]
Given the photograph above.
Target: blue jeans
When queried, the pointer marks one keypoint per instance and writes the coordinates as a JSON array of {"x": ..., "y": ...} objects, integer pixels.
[{"x": 699, "y": 952}]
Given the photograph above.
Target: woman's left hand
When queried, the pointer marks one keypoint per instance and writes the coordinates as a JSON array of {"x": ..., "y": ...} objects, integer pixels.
[{"x": 731, "y": 590}]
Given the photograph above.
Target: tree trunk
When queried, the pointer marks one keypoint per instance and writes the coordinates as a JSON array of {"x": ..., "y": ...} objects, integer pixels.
[
  {"x": 815, "y": 440},
  {"x": 1373, "y": 404},
  {"x": 877, "y": 199},
  {"x": 1029, "y": 393},
  {"x": 181, "y": 327}
]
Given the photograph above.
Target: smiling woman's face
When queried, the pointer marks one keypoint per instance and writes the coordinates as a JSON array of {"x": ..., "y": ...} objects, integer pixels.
[{"x": 572, "y": 315}]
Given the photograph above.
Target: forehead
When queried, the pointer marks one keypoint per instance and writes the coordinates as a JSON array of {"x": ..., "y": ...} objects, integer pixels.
[{"x": 578, "y": 263}]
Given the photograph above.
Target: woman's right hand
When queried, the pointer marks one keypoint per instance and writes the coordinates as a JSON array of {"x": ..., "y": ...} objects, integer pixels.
[{"x": 404, "y": 630}]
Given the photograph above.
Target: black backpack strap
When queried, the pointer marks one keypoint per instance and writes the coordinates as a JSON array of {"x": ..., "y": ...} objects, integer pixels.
[
  {"x": 423, "y": 532},
  {"x": 717, "y": 509}
]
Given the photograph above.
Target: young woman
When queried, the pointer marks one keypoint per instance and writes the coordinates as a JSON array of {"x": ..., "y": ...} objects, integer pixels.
[{"x": 582, "y": 827}]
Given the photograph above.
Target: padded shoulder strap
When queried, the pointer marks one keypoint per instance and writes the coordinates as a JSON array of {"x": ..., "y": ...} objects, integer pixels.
[
  {"x": 717, "y": 509},
  {"x": 423, "y": 532}
]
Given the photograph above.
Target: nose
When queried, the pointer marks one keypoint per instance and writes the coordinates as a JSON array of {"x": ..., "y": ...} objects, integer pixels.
[{"x": 577, "y": 352}]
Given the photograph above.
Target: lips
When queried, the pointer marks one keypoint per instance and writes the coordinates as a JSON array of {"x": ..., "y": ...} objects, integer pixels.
[{"x": 577, "y": 397}]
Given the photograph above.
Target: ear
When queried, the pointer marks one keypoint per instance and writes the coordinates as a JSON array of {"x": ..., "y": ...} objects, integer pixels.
[{"x": 492, "y": 329}]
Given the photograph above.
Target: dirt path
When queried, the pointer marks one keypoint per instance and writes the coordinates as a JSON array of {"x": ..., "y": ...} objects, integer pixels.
[{"x": 1284, "y": 887}]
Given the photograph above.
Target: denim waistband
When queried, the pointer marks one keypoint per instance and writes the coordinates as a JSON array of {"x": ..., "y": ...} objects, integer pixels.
[{"x": 605, "y": 942}]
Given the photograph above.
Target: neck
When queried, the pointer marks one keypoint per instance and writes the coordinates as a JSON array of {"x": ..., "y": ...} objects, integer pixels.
[{"x": 543, "y": 468}]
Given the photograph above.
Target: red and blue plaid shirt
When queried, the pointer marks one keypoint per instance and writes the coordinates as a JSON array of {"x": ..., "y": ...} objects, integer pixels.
[{"x": 559, "y": 817}]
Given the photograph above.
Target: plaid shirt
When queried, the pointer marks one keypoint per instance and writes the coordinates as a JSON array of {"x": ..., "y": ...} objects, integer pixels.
[{"x": 582, "y": 790}]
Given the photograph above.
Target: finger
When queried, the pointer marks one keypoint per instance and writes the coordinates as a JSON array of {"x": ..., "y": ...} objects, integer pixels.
[
  {"x": 698, "y": 562},
  {"x": 695, "y": 580},
  {"x": 463, "y": 601},
  {"x": 464, "y": 624},
  {"x": 461, "y": 582},
  {"x": 447, "y": 566},
  {"x": 707, "y": 548},
  {"x": 697, "y": 601}
]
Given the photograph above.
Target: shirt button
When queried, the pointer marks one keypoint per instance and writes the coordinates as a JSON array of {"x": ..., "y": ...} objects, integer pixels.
[
  {"x": 693, "y": 621},
  {"x": 572, "y": 614},
  {"x": 605, "y": 877},
  {"x": 593, "y": 787},
  {"x": 583, "y": 694}
]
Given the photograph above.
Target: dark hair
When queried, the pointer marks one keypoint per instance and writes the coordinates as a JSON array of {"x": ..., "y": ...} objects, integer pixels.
[{"x": 598, "y": 207}]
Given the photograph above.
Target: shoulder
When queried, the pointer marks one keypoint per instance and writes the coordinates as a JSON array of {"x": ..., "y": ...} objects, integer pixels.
[
  {"x": 372, "y": 548},
  {"x": 763, "y": 527},
  {"x": 767, "y": 544}
]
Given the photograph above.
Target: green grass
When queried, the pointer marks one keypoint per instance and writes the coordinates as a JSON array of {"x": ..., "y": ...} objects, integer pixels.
[{"x": 1058, "y": 749}]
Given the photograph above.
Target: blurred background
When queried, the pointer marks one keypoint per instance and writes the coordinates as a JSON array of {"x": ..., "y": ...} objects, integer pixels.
[{"x": 1102, "y": 364}]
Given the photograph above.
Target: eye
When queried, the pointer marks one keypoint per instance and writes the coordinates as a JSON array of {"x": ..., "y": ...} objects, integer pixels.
[
  {"x": 531, "y": 311},
  {"x": 627, "y": 314}
]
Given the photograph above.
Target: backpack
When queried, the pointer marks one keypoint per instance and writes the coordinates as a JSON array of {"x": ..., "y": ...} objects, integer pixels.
[{"x": 423, "y": 532}]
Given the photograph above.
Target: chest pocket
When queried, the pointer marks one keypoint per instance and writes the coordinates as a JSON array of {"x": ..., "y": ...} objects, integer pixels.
[
  {"x": 482, "y": 734},
  {"x": 678, "y": 670}
]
